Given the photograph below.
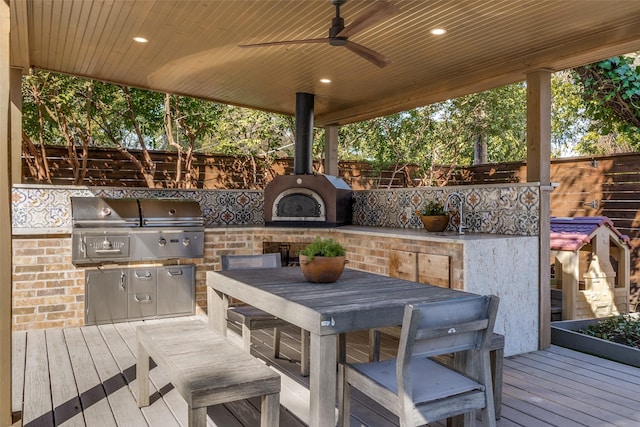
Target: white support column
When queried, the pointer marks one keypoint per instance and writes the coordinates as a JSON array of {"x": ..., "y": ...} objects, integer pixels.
[
  {"x": 539, "y": 170},
  {"x": 331, "y": 150},
  {"x": 5, "y": 219}
]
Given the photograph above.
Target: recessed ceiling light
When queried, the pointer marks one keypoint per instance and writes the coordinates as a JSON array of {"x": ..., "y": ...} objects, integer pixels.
[
  {"x": 325, "y": 81},
  {"x": 438, "y": 31},
  {"x": 140, "y": 40}
]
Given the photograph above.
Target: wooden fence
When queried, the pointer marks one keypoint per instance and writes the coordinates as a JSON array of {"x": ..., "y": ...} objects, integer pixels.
[
  {"x": 586, "y": 186},
  {"x": 109, "y": 168}
]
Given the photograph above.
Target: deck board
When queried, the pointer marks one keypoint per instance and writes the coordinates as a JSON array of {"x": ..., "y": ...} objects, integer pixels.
[
  {"x": 608, "y": 397},
  {"x": 121, "y": 400},
  {"x": 64, "y": 392},
  {"x": 96, "y": 364},
  {"x": 95, "y": 406},
  {"x": 19, "y": 348},
  {"x": 38, "y": 408},
  {"x": 155, "y": 414}
]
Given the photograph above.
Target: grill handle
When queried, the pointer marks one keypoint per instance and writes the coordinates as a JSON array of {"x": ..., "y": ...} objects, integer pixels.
[
  {"x": 165, "y": 223},
  {"x": 174, "y": 272},
  {"x": 108, "y": 251},
  {"x": 88, "y": 223},
  {"x": 145, "y": 300},
  {"x": 146, "y": 275}
]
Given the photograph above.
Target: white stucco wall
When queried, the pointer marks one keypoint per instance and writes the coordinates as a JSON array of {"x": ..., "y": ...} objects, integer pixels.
[{"x": 508, "y": 268}]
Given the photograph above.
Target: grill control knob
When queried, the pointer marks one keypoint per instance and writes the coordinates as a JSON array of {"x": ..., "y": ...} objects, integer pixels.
[
  {"x": 186, "y": 241},
  {"x": 106, "y": 244},
  {"x": 162, "y": 241}
]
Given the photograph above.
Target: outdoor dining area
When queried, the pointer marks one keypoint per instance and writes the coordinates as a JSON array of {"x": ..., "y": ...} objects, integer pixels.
[
  {"x": 127, "y": 306},
  {"x": 86, "y": 376}
]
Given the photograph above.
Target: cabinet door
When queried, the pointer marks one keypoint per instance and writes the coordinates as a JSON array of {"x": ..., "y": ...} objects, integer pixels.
[
  {"x": 106, "y": 296},
  {"x": 434, "y": 270},
  {"x": 403, "y": 265},
  {"x": 142, "y": 292},
  {"x": 176, "y": 290}
]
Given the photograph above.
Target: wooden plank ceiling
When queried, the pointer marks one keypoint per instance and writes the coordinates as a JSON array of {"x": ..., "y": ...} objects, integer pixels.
[{"x": 193, "y": 47}]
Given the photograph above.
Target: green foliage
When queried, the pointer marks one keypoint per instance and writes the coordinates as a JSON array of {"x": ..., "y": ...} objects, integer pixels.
[
  {"x": 568, "y": 121},
  {"x": 443, "y": 133},
  {"x": 323, "y": 247},
  {"x": 611, "y": 92},
  {"x": 433, "y": 208},
  {"x": 595, "y": 110},
  {"x": 623, "y": 330}
]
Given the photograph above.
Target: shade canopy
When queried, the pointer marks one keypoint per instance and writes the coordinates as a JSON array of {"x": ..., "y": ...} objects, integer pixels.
[{"x": 193, "y": 47}]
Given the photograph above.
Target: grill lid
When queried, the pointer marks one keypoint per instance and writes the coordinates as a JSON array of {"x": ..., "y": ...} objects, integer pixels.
[
  {"x": 103, "y": 212},
  {"x": 170, "y": 213}
]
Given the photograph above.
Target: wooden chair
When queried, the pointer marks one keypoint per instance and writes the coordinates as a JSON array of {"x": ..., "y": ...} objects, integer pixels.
[
  {"x": 251, "y": 318},
  {"x": 496, "y": 353},
  {"x": 419, "y": 389}
]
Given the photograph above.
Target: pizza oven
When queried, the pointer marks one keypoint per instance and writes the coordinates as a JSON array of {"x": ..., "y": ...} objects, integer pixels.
[{"x": 305, "y": 199}]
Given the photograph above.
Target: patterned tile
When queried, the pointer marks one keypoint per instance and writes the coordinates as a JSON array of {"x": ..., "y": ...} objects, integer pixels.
[{"x": 500, "y": 209}]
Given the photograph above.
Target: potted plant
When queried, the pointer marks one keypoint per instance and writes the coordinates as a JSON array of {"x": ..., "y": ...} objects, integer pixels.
[
  {"x": 322, "y": 261},
  {"x": 433, "y": 216}
]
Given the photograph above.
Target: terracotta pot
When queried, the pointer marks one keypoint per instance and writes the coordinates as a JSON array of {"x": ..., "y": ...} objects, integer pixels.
[
  {"x": 434, "y": 223},
  {"x": 322, "y": 269}
]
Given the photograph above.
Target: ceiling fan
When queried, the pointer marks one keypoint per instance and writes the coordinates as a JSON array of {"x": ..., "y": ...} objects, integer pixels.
[{"x": 339, "y": 34}]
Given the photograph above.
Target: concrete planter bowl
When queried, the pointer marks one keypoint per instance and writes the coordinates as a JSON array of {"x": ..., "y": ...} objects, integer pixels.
[
  {"x": 564, "y": 334},
  {"x": 322, "y": 269},
  {"x": 434, "y": 223}
]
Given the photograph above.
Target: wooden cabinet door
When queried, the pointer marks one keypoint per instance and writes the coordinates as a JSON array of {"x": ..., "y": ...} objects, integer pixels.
[
  {"x": 434, "y": 270},
  {"x": 403, "y": 265},
  {"x": 420, "y": 267}
]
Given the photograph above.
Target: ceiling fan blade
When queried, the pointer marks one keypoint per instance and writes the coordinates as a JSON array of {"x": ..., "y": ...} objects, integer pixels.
[
  {"x": 370, "y": 55},
  {"x": 304, "y": 41},
  {"x": 376, "y": 13}
]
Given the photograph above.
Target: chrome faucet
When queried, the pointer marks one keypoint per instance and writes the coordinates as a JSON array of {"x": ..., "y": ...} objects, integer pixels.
[{"x": 456, "y": 200}]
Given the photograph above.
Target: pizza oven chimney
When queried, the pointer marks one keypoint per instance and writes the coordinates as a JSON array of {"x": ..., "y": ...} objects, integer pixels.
[{"x": 303, "y": 156}]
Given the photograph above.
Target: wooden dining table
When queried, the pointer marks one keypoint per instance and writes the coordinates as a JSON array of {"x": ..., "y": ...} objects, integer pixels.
[{"x": 359, "y": 300}]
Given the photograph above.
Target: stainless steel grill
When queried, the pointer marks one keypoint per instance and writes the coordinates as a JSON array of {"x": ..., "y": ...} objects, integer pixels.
[{"x": 122, "y": 230}]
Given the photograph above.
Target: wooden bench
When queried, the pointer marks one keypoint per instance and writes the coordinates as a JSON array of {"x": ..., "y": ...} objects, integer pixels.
[
  {"x": 206, "y": 369},
  {"x": 496, "y": 348}
]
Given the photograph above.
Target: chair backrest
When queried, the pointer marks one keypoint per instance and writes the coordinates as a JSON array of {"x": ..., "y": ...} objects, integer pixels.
[
  {"x": 442, "y": 327},
  {"x": 244, "y": 262}
]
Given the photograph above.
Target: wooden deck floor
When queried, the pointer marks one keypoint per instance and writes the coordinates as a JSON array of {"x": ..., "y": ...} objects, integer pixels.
[{"x": 84, "y": 377}]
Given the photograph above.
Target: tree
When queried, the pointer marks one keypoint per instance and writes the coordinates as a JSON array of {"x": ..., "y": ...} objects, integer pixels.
[
  {"x": 255, "y": 137},
  {"x": 611, "y": 91},
  {"x": 191, "y": 121},
  {"x": 56, "y": 110},
  {"x": 130, "y": 118},
  {"x": 443, "y": 133},
  {"x": 78, "y": 113}
]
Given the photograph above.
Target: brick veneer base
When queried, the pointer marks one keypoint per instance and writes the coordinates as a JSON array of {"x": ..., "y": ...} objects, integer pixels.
[{"x": 49, "y": 291}]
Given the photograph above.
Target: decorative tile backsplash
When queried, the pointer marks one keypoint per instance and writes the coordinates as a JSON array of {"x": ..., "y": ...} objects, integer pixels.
[{"x": 500, "y": 209}]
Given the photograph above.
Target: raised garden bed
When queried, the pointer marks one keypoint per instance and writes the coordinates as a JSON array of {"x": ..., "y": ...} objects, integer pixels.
[{"x": 564, "y": 334}]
